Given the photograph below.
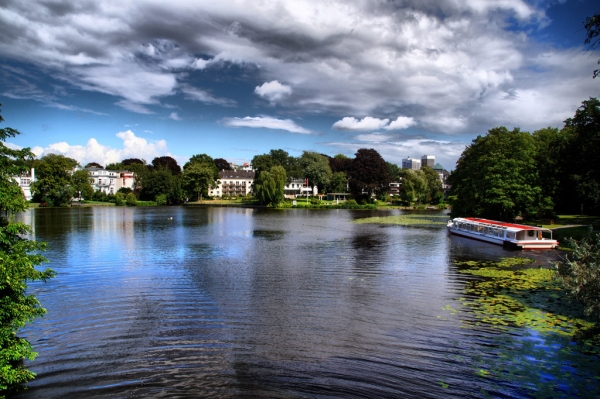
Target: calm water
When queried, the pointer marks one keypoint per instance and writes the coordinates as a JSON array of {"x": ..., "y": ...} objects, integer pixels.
[{"x": 229, "y": 302}]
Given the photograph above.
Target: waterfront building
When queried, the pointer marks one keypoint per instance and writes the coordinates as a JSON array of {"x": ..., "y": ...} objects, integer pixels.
[
  {"x": 299, "y": 188},
  {"x": 103, "y": 180},
  {"x": 24, "y": 181},
  {"x": 233, "y": 183}
]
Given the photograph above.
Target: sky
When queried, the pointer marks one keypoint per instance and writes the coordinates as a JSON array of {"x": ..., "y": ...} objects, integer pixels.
[{"x": 102, "y": 80}]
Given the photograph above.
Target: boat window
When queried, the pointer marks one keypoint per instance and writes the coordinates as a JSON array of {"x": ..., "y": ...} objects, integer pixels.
[
  {"x": 510, "y": 234},
  {"x": 530, "y": 233}
]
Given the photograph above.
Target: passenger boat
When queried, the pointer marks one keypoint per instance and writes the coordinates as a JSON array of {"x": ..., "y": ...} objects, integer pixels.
[{"x": 507, "y": 234}]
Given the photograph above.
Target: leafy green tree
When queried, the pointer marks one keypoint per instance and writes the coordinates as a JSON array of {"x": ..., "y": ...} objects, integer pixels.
[
  {"x": 116, "y": 166},
  {"x": 264, "y": 162},
  {"x": 551, "y": 146},
  {"x": 162, "y": 181},
  {"x": 583, "y": 168},
  {"x": 82, "y": 185},
  {"x": 161, "y": 199},
  {"x": 18, "y": 260},
  {"x": 368, "y": 173},
  {"x": 119, "y": 199},
  {"x": 434, "y": 191},
  {"x": 592, "y": 27},
  {"x": 580, "y": 272},
  {"x": 54, "y": 180},
  {"x": 131, "y": 200},
  {"x": 198, "y": 178},
  {"x": 270, "y": 186},
  {"x": 394, "y": 171},
  {"x": 316, "y": 168},
  {"x": 222, "y": 164},
  {"x": 496, "y": 177},
  {"x": 414, "y": 185},
  {"x": 338, "y": 183}
]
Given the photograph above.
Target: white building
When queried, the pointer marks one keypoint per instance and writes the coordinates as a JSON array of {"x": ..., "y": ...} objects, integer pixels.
[
  {"x": 410, "y": 163},
  {"x": 126, "y": 180},
  {"x": 299, "y": 188},
  {"x": 24, "y": 181},
  {"x": 104, "y": 180},
  {"x": 233, "y": 183}
]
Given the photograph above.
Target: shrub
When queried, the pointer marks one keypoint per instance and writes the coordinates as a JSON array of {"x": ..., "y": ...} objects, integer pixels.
[
  {"x": 580, "y": 272},
  {"x": 131, "y": 200},
  {"x": 314, "y": 201},
  {"x": 351, "y": 202},
  {"x": 161, "y": 199},
  {"x": 120, "y": 199}
]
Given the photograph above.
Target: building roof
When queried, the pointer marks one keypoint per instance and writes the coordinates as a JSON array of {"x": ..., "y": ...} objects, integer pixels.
[{"x": 236, "y": 174}]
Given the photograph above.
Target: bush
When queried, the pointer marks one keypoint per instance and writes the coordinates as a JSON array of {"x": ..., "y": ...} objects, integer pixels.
[
  {"x": 580, "y": 272},
  {"x": 124, "y": 191},
  {"x": 119, "y": 199},
  {"x": 161, "y": 199},
  {"x": 315, "y": 201},
  {"x": 131, "y": 200},
  {"x": 351, "y": 202}
]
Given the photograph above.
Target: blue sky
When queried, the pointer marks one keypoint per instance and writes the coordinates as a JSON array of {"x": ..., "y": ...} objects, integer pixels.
[{"x": 101, "y": 81}]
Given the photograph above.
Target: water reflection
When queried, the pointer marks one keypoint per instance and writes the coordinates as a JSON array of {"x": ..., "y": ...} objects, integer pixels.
[{"x": 193, "y": 302}]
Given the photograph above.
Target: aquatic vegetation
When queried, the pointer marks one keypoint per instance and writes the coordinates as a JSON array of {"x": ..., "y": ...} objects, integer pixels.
[
  {"x": 541, "y": 347},
  {"x": 407, "y": 220}
]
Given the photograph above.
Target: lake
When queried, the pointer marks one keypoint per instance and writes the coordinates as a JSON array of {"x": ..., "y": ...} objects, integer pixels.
[{"x": 245, "y": 303}]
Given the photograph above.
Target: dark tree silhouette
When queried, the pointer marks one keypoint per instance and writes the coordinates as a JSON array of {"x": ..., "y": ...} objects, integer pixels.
[
  {"x": 167, "y": 162},
  {"x": 94, "y": 165},
  {"x": 369, "y": 173},
  {"x": 222, "y": 164},
  {"x": 132, "y": 161},
  {"x": 592, "y": 26}
]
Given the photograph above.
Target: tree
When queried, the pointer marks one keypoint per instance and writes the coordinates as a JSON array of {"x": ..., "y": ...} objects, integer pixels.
[
  {"x": 197, "y": 178},
  {"x": 162, "y": 181},
  {"x": 316, "y": 168},
  {"x": 277, "y": 158},
  {"x": 205, "y": 160},
  {"x": 54, "y": 181},
  {"x": 592, "y": 27},
  {"x": 94, "y": 165},
  {"x": 414, "y": 185},
  {"x": 81, "y": 184},
  {"x": 583, "y": 169},
  {"x": 580, "y": 272},
  {"x": 496, "y": 177},
  {"x": 167, "y": 163},
  {"x": 434, "y": 191},
  {"x": 270, "y": 186},
  {"x": 130, "y": 200},
  {"x": 394, "y": 171},
  {"x": 115, "y": 166},
  {"x": 133, "y": 161},
  {"x": 368, "y": 173},
  {"x": 338, "y": 183},
  {"x": 222, "y": 164},
  {"x": 18, "y": 259},
  {"x": 340, "y": 163},
  {"x": 551, "y": 145}
]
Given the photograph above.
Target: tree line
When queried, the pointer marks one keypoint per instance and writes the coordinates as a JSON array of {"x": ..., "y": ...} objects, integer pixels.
[
  {"x": 510, "y": 173},
  {"x": 366, "y": 176}
]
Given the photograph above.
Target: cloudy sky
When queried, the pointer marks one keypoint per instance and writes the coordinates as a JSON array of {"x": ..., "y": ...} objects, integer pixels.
[{"x": 105, "y": 80}]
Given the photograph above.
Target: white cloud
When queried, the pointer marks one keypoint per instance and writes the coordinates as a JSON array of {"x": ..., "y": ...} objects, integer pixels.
[
  {"x": 370, "y": 123},
  {"x": 174, "y": 116},
  {"x": 367, "y": 123},
  {"x": 273, "y": 91},
  {"x": 267, "y": 122},
  {"x": 373, "y": 137},
  {"x": 196, "y": 94},
  {"x": 402, "y": 122},
  {"x": 93, "y": 151}
]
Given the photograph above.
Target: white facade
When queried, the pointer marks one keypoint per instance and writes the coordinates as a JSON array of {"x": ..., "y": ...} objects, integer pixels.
[
  {"x": 25, "y": 181},
  {"x": 233, "y": 183},
  {"x": 126, "y": 179},
  {"x": 299, "y": 188},
  {"x": 104, "y": 180}
]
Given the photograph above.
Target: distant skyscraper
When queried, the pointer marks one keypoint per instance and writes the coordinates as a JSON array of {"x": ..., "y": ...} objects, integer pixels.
[
  {"x": 409, "y": 163},
  {"x": 428, "y": 160}
]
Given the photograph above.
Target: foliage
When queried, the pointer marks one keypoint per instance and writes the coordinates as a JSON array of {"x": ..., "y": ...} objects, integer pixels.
[
  {"x": 270, "y": 186},
  {"x": 592, "y": 27},
  {"x": 162, "y": 181},
  {"x": 94, "y": 165},
  {"x": 583, "y": 168},
  {"x": 18, "y": 259},
  {"x": 414, "y": 185},
  {"x": 124, "y": 190},
  {"x": 338, "y": 183},
  {"x": 115, "y": 166},
  {"x": 368, "y": 173},
  {"x": 580, "y": 272},
  {"x": 54, "y": 180},
  {"x": 222, "y": 164},
  {"x": 161, "y": 199},
  {"x": 264, "y": 162},
  {"x": 81, "y": 184},
  {"x": 394, "y": 171},
  {"x": 119, "y": 199},
  {"x": 100, "y": 196},
  {"x": 434, "y": 192},
  {"x": 131, "y": 200},
  {"x": 496, "y": 177},
  {"x": 167, "y": 162},
  {"x": 550, "y": 145},
  {"x": 340, "y": 163},
  {"x": 316, "y": 168},
  {"x": 199, "y": 175},
  {"x": 133, "y": 161}
]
